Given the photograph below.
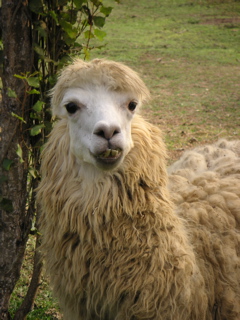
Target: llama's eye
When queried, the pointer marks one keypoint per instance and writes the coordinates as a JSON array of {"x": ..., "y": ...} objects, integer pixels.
[
  {"x": 71, "y": 107},
  {"x": 132, "y": 105}
]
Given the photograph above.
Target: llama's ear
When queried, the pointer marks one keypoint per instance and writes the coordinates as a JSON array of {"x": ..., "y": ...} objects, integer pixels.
[
  {"x": 59, "y": 111},
  {"x": 57, "y": 107}
]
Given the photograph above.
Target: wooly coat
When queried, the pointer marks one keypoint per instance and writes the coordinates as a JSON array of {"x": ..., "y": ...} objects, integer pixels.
[{"x": 115, "y": 245}]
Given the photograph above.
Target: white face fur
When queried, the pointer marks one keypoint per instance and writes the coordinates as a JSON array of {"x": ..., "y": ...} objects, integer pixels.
[{"x": 99, "y": 125}]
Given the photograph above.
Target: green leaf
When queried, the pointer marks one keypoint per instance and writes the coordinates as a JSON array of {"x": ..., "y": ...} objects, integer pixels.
[
  {"x": 42, "y": 29},
  {"x": 7, "y": 164},
  {"x": 36, "y": 129},
  {"x": 34, "y": 115},
  {"x": 33, "y": 82},
  {"x": 100, "y": 34},
  {"x": 33, "y": 91},
  {"x": 11, "y": 93},
  {"x": 52, "y": 79},
  {"x": 6, "y": 204},
  {"x": 38, "y": 106},
  {"x": 68, "y": 41},
  {"x": 88, "y": 34},
  {"x": 33, "y": 172},
  {"x": 19, "y": 77},
  {"x": 18, "y": 117},
  {"x": 19, "y": 153},
  {"x": 78, "y": 3},
  {"x": 106, "y": 10},
  {"x": 39, "y": 50},
  {"x": 99, "y": 21},
  {"x": 48, "y": 126},
  {"x": 54, "y": 15},
  {"x": 97, "y": 3},
  {"x": 69, "y": 29}
]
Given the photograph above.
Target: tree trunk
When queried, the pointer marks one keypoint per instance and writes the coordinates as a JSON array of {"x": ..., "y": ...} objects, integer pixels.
[
  {"x": 28, "y": 301},
  {"x": 15, "y": 222}
]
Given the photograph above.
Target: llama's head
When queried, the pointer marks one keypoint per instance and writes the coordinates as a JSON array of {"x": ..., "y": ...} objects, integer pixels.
[{"x": 99, "y": 100}]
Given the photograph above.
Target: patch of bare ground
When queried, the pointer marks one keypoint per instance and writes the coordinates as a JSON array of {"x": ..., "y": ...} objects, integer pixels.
[{"x": 231, "y": 22}]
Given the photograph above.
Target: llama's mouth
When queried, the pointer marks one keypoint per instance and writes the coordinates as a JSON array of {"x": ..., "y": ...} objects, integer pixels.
[
  {"x": 109, "y": 159},
  {"x": 110, "y": 154}
]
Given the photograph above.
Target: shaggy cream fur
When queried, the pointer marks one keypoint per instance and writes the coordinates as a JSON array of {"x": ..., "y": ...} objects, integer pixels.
[
  {"x": 115, "y": 246},
  {"x": 205, "y": 188}
]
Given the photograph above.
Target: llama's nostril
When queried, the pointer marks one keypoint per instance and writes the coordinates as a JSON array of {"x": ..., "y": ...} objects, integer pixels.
[
  {"x": 106, "y": 131},
  {"x": 116, "y": 132},
  {"x": 100, "y": 133}
]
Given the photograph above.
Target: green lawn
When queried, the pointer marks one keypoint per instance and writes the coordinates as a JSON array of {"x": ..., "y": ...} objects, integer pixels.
[{"x": 188, "y": 53}]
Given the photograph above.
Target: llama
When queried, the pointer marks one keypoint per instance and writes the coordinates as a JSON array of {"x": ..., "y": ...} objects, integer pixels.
[{"x": 123, "y": 239}]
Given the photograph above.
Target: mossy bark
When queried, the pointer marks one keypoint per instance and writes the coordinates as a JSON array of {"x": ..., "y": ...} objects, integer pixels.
[{"x": 15, "y": 219}]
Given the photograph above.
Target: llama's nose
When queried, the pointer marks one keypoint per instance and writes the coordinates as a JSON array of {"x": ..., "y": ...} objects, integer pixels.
[{"x": 106, "y": 130}]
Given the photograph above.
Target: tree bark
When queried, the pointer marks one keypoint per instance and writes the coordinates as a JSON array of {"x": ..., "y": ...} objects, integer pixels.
[{"x": 15, "y": 222}]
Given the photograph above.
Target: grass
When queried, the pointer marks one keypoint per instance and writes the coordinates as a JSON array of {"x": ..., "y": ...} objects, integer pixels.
[
  {"x": 45, "y": 306},
  {"x": 188, "y": 54}
]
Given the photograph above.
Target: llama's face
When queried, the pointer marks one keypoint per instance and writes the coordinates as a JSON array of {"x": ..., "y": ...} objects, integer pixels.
[{"x": 99, "y": 124}]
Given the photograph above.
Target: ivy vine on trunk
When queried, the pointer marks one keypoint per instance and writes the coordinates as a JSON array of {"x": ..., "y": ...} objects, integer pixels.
[{"x": 37, "y": 38}]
